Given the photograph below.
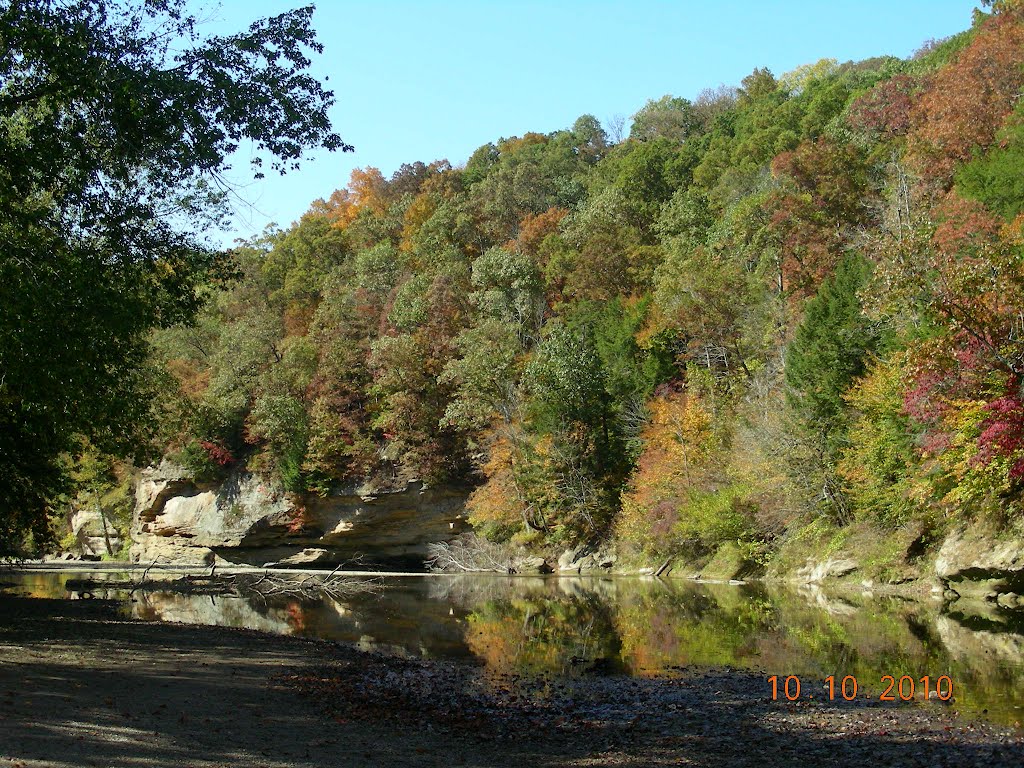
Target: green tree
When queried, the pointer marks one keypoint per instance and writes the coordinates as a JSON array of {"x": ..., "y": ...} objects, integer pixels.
[
  {"x": 117, "y": 122},
  {"x": 669, "y": 117},
  {"x": 997, "y": 177},
  {"x": 826, "y": 355}
]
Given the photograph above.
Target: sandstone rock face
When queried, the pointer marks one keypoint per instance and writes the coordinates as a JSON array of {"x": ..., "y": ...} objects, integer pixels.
[
  {"x": 981, "y": 575},
  {"x": 308, "y": 556},
  {"x": 533, "y": 564},
  {"x": 586, "y": 558},
  {"x": 87, "y": 527},
  {"x": 250, "y": 519},
  {"x": 815, "y": 573},
  {"x": 973, "y": 556}
]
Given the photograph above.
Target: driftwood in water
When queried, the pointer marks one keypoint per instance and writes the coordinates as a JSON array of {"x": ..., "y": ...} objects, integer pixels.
[{"x": 263, "y": 583}]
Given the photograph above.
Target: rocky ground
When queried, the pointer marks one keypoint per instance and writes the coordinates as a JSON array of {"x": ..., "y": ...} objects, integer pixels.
[{"x": 82, "y": 686}]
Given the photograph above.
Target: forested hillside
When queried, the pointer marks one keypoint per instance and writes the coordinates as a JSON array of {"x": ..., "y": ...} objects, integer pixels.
[{"x": 791, "y": 305}]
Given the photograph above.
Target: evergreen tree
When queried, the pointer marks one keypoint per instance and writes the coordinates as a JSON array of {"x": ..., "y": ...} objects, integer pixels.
[{"x": 826, "y": 355}]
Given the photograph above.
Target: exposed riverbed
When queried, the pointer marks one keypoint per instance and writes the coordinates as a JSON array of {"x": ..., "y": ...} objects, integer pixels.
[
  {"x": 570, "y": 627},
  {"x": 82, "y": 685}
]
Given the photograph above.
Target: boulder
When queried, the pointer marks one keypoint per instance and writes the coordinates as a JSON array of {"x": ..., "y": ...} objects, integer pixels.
[
  {"x": 534, "y": 564},
  {"x": 156, "y": 485},
  {"x": 1010, "y": 600},
  {"x": 605, "y": 557},
  {"x": 586, "y": 558},
  {"x": 567, "y": 560}
]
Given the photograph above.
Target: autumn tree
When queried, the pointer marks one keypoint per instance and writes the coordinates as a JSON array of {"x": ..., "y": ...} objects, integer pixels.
[
  {"x": 964, "y": 104},
  {"x": 996, "y": 178}
]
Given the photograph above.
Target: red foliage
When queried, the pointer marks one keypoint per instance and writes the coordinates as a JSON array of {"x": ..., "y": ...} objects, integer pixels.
[
  {"x": 833, "y": 174},
  {"x": 964, "y": 225},
  {"x": 296, "y": 617},
  {"x": 808, "y": 245},
  {"x": 946, "y": 370},
  {"x": 885, "y": 109},
  {"x": 299, "y": 518},
  {"x": 810, "y": 217},
  {"x": 920, "y": 402},
  {"x": 965, "y": 103},
  {"x": 1003, "y": 430},
  {"x": 218, "y": 454}
]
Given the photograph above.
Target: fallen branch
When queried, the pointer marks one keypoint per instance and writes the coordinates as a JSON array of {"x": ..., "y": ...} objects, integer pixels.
[{"x": 264, "y": 584}]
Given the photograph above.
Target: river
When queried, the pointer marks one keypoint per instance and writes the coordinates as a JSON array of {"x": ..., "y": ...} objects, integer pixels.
[{"x": 636, "y": 626}]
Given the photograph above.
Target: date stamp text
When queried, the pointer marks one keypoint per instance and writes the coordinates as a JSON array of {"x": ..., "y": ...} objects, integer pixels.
[{"x": 903, "y": 688}]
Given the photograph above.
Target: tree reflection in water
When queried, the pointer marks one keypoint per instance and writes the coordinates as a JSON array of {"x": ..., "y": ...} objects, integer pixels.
[{"x": 574, "y": 626}]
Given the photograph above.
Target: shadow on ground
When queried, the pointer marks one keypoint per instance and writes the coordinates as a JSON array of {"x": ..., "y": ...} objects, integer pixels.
[{"x": 80, "y": 686}]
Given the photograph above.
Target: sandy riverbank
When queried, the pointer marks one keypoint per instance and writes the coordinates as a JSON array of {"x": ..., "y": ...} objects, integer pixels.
[{"x": 80, "y": 685}]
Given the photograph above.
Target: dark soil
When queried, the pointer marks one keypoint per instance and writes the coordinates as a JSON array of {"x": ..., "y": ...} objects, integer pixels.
[{"x": 81, "y": 685}]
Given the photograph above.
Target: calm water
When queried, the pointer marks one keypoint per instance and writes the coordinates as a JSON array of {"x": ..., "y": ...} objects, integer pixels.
[{"x": 637, "y": 626}]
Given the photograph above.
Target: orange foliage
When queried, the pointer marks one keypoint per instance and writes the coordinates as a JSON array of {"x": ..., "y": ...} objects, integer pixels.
[
  {"x": 964, "y": 225},
  {"x": 192, "y": 380},
  {"x": 497, "y": 501},
  {"x": 445, "y": 184},
  {"x": 297, "y": 317},
  {"x": 1013, "y": 233},
  {"x": 495, "y": 642},
  {"x": 419, "y": 211},
  {"x": 966, "y": 102},
  {"x": 340, "y": 209},
  {"x": 535, "y": 227},
  {"x": 367, "y": 188},
  {"x": 678, "y": 442}
]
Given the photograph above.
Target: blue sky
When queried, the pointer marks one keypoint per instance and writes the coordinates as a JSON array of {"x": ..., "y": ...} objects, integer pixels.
[{"x": 430, "y": 80}]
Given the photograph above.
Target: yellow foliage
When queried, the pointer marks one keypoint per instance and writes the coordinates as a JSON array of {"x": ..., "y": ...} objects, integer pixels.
[
  {"x": 418, "y": 212},
  {"x": 497, "y": 501},
  {"x": 516, "y": 143},
  {"x": 340, "y": 209},
  {"x": 368, "y": 186},
  {"x": 678, "y": 442}
]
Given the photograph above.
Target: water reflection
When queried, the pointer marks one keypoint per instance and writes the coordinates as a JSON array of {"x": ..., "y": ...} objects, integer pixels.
[{"x": 640, "y": 626}]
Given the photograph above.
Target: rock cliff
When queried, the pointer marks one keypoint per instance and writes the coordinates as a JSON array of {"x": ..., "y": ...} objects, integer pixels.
[
  {"x": 980, "y": 572},
  {"x": 249, "y": 519},
  {"x": 95, "y": 535}
]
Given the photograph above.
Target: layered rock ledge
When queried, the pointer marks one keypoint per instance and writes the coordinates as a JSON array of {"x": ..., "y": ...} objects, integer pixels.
[{"x": 250, "y": 519}]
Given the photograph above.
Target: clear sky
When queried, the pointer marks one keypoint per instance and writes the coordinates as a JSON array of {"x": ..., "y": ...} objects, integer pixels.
[{"x": 431, "y": 80}]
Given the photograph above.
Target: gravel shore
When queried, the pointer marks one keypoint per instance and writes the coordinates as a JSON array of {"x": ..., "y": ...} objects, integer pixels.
[{"x": 82, "y": 686}]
